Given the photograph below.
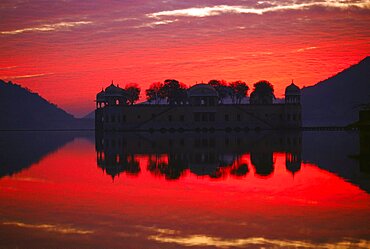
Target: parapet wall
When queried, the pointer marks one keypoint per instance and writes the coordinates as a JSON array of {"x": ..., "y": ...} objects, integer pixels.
[
  {"x": 221, "y": 117},
  {"x": 186, "y": 117}
]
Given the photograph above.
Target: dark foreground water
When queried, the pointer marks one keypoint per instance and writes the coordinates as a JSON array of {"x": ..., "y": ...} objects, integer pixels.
[{"x": 188, "y": 190}]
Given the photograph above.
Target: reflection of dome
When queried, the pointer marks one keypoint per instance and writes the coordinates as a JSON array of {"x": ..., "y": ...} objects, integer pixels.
[
  {"x": 202, "y": 90},
  {"x": 292, "y": 89},
  {"x": 293, "y": 162},
  {"x": 202, "y": 169}
]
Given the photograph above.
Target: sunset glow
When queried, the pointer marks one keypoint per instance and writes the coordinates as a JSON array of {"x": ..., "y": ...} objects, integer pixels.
[{"x": 68, "y": 50}]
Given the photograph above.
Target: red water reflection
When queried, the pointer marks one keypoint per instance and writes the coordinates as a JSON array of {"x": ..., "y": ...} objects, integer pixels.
[{"x": 66, "y": 200}]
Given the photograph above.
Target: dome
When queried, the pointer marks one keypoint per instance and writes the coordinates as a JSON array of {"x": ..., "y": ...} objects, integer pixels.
[
  {"x": 100, "y": 96},
  {"x": 202, "y": 90},
  {"x": 113, "y": 90},
  {"x": 292, "y": 89}
]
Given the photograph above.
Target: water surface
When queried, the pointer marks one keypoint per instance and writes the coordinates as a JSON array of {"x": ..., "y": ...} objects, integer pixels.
[{"x": 198, "y": 190}]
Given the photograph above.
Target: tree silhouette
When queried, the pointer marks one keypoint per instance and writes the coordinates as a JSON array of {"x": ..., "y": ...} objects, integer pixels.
[
  {"x": 263, "y": 93},
  {"x": 154, "y": 93},
  {"x": 239, "y": 90},
  {"x": 221, "y": 88},
  {"x": 133, "y": 93},
  {"x": 174, "y": 91}
]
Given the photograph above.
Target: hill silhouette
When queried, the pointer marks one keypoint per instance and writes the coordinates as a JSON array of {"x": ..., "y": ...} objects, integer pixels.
[
  {"x": 90, "y": 115},
  {"x": 336, "y": 100},
  {"x": 21, "y": 110}
]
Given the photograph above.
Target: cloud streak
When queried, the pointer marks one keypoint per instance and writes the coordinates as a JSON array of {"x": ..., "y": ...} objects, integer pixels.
[
  {"x": 46, "y": 27},
  {"x": 49, "y": 228},
  {"x": 224, "y": 9},
  {"x": 172, "y": 236},
  {"x": 7, "y": 68},
  {"x": 305, "y": 49},
  {"x": 26, "y": 76},
  {"x": 156, "y": 23}
]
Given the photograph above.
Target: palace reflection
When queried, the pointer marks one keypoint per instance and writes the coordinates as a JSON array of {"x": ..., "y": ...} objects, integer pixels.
[
  {"x": 364, "y": 156},
  {"x": 216, "y": 155}
]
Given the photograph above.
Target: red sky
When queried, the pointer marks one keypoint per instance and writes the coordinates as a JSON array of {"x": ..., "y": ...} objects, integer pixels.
[{"x": 68, "y": 50}]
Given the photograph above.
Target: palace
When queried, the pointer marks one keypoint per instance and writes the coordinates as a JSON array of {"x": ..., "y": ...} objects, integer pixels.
[{"x": 201, "y": 110}]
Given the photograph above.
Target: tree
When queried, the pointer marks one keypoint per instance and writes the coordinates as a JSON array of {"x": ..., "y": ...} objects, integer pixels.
[
  {"x": 133, "y": 93},
  {"x": 263, "y": 93},
  {"x": 153, "y": 93},
  {"x": 239, "y": 90},
  {"x": 174, "y": 91},
  {"x": 221, "y": 88}
]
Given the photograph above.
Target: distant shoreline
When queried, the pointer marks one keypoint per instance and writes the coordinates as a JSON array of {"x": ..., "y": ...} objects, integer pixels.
[{"x": 315, "y": 128}]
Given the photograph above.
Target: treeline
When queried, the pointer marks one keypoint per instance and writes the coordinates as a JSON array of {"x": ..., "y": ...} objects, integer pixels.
[{"x": 174, "y": 91}]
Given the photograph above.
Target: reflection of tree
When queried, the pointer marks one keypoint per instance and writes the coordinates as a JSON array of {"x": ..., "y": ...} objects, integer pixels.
[
  {"x": 156, "y": 164},
  {"x": 209, "y": 163},
  {"x": 218, "y": 173},
  {"x": 153, "y": 161},
  {"x": 240, "y": 170},
  {"x": 132, "y": 165},
  {"x": 212, "y": 155},
  {"x": 173, "y": 169},
  {"x": 114, "y": 164},
  {"x": 199, "y": 164},
  {"x": 263, "y": 163}
]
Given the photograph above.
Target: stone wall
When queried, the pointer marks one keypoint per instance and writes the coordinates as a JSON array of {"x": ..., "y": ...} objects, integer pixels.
[{"x": 186, "y": 117}]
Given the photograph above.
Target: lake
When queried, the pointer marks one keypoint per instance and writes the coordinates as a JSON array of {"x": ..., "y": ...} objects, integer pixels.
[{"x": 184, "y": 190}]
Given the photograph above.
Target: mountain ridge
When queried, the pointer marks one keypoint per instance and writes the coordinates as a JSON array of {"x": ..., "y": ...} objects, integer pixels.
[
  {"x": 22, "y": 109},
  {"x": 336, "y": 100},
  {"x": 366, "y": 60}
]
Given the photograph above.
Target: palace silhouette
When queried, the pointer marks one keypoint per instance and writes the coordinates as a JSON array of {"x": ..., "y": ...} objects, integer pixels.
[{"x": 200, "y": 110}]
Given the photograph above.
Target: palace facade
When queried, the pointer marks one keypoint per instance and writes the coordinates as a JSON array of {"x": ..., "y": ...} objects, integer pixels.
[{"x": 202, "y": 111}]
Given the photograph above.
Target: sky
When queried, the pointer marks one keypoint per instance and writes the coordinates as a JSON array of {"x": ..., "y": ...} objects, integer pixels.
[{"x": 68, "y": 50}]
